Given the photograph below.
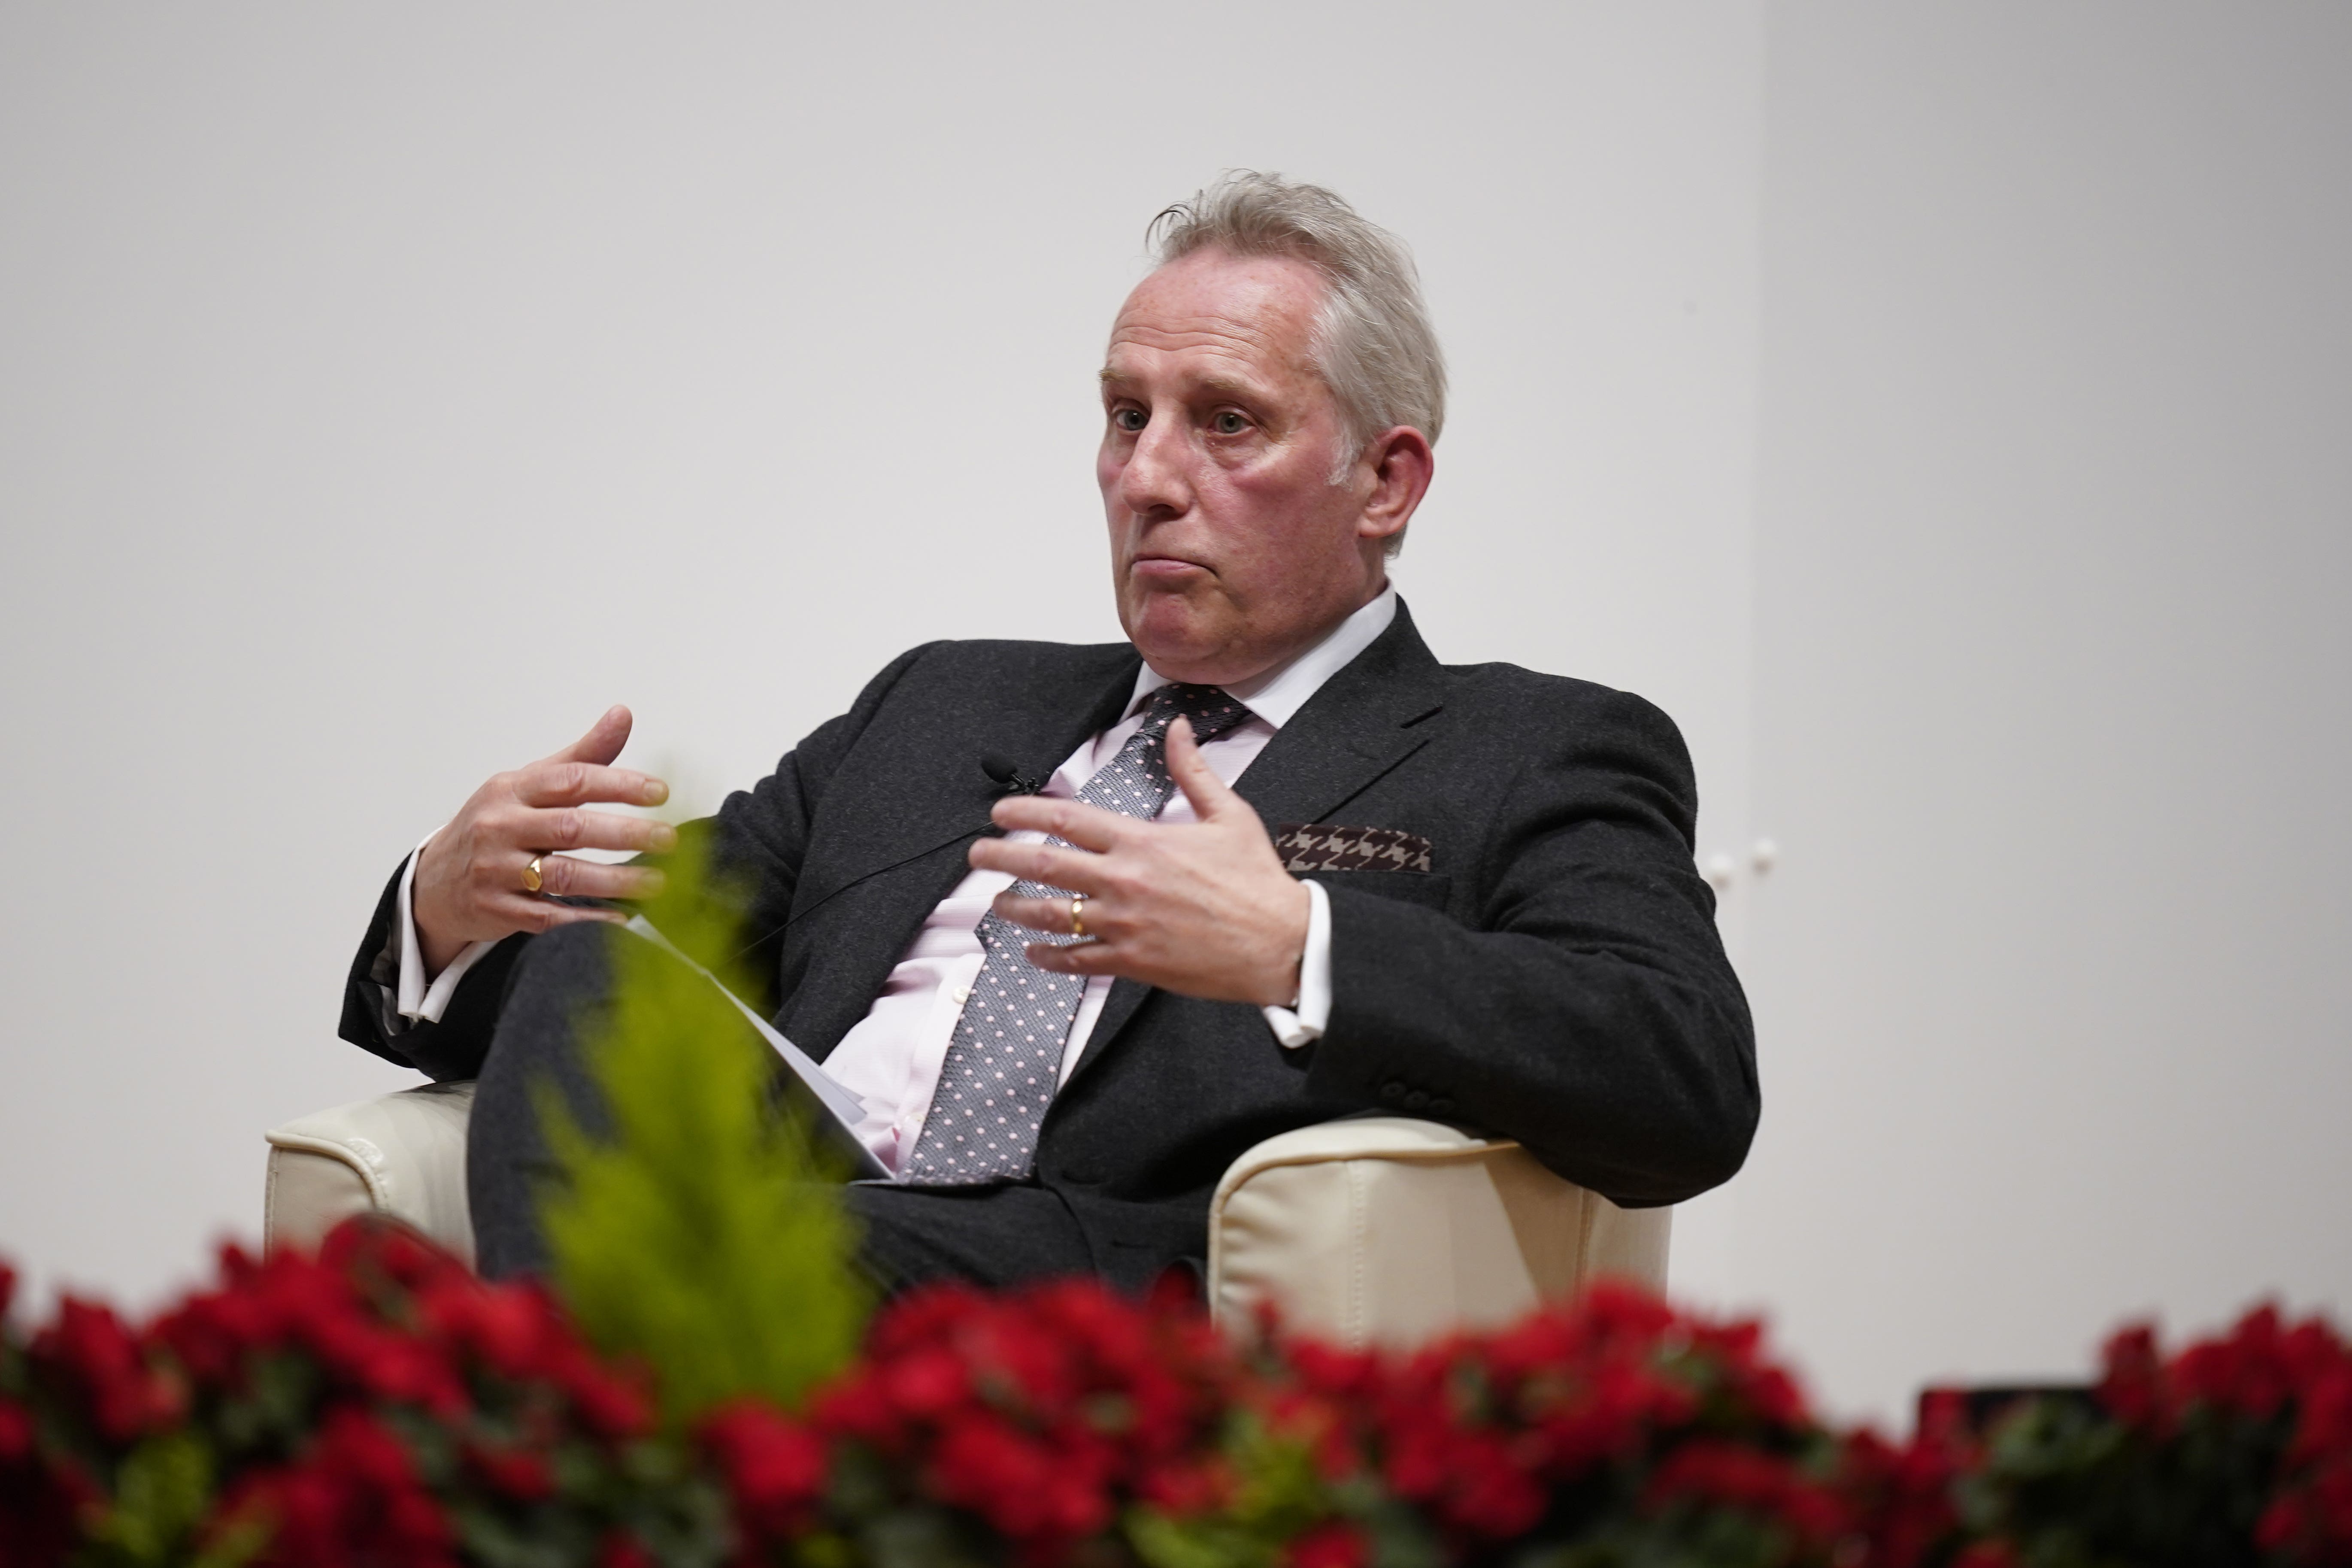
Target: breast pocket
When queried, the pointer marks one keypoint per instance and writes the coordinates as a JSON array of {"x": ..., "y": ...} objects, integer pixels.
[{"x": 1431, "y": 888}]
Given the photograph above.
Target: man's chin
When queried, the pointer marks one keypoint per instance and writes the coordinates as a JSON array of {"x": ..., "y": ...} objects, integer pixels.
[{"x": 1177, "y": 636}]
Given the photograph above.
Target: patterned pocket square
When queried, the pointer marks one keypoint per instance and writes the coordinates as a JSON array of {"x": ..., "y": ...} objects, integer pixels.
[{"x": 1320, "y": 846}]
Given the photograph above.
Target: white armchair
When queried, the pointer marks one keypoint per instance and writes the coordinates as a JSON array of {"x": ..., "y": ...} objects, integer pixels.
[{"x": 1376, "y": 1229}]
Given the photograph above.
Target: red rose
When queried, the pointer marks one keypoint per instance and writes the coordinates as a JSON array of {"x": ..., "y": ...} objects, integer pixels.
[
  {"x": 1028, "y": 1491},
  {"x": 775, "y": 1468},
  {"x": 1902, "y": 1497},
  {"x": 353, "y": 1445},
  {"x": 2324, "y": 1424},
  {"x": 88, "y": 1346},
  {"x": 620, "y": 1549},
  {"x": 1328, "y": 1370},
  {"x": 924, "y": 1317},
  {"x": 517, "y": 1473},
  {"x": 1748, "y": 1479},
  {"x": 1987, "y": 1554},
  {"x": 613, "y": 1404},
  {"x": 16, "y": 1433},
  {"x": 1192, "y": 1485},
  {"x": 2244, "y": 1370},
  {"x": 1493, "y": 1496},
  {"x": 353, "y": 1497},
  {"x": 2133, "y": 1388},
  {"x": 925, "y": 1383},
  {"x": 1329, "y": 1545},
  {"x": 508, "y": 1327}
]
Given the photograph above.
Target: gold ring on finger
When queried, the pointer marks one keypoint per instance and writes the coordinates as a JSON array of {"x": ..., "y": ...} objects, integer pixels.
[
  {"x": 532, "y": 880},
  {"x": 1078, "y": 917}
]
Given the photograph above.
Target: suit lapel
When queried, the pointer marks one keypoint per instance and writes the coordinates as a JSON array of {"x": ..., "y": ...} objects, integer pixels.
[
  {"x": 926, "y": 793},
  {"x": 912, "y": 808},
  {"x": 1378, "y": 711}
]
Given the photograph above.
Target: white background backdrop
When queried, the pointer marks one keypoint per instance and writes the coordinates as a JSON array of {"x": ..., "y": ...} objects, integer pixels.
[{"x": 381, "y": 394}]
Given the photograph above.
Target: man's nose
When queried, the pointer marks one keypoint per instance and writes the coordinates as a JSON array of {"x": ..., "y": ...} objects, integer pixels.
[{"x": 1152, "y": 483}]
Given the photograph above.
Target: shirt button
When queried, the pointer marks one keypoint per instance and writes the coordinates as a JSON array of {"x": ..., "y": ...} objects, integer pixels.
[
  {"x": 1391, "y": 1090},
  {"x": 960, "y": 994},
  {"x": 1417, "y": 1099}
]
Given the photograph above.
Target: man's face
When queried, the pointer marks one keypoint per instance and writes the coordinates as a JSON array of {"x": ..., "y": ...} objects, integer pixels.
[{"x": 1231, "y": 550}]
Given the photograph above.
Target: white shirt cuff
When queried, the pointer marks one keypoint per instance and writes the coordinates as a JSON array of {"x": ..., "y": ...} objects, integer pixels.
[
  {"x": 1303, "y": 1024},
  {"x": 421, "y": 1002}
]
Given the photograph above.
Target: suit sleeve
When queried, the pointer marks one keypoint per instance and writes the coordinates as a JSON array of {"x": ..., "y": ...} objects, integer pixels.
[
  {"x": 1585, "y": 1007},
  {"x": 755, "y": 844}
]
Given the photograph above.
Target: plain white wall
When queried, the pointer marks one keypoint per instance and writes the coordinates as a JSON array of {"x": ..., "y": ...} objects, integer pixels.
[
  {"x": 383, "y": 392},
  {"x": 2054, "y": 630}
]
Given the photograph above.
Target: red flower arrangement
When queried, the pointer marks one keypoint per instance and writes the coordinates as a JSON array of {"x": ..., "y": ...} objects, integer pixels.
[
  {"x": 1041, "y": 1418},
  {"x": 377, "y": 1405},
  {"x": 1620, "y": 1423},
  {"x": 2236, "y": 1450}
]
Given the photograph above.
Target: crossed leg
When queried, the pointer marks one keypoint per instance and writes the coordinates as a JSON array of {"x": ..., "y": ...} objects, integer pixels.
[{"x": 559, "y": 991}]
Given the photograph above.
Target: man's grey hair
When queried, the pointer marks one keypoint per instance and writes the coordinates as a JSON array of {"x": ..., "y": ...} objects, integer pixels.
[{"x": 1372, "y": 343}]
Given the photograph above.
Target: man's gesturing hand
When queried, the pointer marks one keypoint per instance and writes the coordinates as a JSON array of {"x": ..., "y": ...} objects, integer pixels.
[
  {"x": 1200, "y": 909},
  {"x": 468, "y": 885}
]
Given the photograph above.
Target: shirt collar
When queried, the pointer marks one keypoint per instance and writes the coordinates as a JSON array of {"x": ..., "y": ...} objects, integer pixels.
[{"x": 1277, "y": 694}]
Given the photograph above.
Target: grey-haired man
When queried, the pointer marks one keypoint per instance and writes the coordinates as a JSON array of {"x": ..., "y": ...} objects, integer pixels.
[{"x": 1079, "y": 924}]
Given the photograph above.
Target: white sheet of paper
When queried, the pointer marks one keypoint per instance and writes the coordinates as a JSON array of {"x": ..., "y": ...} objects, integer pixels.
[{"x": 846, "y": 1107}]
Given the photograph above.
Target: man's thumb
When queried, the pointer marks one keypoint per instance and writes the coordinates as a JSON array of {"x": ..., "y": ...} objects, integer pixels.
[
  {"x": 1193, "y": 773},
  {"x": 603, "y": 741}
]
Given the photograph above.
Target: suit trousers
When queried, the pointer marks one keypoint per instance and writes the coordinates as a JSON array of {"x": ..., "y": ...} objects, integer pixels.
[{"x": 1003, "y": 1234}]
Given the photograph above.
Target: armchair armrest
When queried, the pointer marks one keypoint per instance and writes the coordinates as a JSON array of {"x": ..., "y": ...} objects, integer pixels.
[
  {"x": 1370, "y": 1230},
  {"x": 1385, "y": 1230},
  {"x": 402, "y": 1154}
]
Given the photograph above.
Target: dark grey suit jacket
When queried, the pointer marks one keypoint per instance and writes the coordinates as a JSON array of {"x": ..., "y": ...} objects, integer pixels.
[{"x": 1555, "y": 977}]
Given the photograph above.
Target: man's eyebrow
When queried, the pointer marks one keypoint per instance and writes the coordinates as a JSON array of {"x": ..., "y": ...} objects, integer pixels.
[
  {"x": 1216, "y": 386},
  {"x": 1229, "y": 386}
]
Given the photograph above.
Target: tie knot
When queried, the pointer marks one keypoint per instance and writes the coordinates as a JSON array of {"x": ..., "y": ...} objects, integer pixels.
[{"x": 1210, "y": 710}]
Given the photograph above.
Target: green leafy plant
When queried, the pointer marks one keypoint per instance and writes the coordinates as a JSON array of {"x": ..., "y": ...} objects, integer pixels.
[{"x": 705, "y": 1235}]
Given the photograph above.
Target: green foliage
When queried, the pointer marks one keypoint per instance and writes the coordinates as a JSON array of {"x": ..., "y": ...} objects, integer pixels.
[
  {"x": 706, "y": 1237},
  {"x": 1280, "y": 1495},
  {"x": 161, "y": 1492},
  {"x": 2070, "y": 1486}
]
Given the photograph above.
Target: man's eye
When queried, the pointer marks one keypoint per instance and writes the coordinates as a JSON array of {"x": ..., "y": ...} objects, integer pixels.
[
  {"x": 1129, "y": 419},
  {"x": 1229, "y": 424}
]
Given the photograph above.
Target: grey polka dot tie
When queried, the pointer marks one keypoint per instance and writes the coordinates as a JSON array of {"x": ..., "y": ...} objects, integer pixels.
[{"x": 1004, "y": 1059}]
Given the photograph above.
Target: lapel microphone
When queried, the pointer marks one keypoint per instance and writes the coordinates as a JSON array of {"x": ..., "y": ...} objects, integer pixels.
[{"x": 1006, "y": 775}]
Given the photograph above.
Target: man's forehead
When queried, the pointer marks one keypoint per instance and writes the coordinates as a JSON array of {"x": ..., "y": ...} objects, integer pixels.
[
  {"x": 1204, "y": 348},
  {"x": 1209, "y": 311}
]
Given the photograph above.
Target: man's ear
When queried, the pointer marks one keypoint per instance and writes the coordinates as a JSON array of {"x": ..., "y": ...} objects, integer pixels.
[{"x": 1402, "y": 463}]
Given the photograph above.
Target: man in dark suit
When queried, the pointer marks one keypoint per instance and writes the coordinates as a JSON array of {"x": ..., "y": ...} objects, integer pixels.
[{"x": 1081, "y": 924}]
